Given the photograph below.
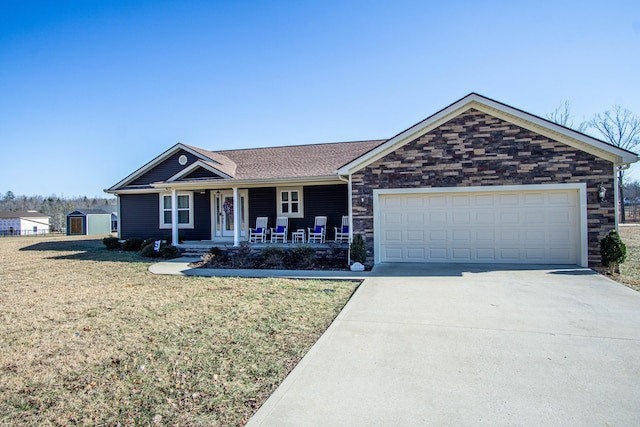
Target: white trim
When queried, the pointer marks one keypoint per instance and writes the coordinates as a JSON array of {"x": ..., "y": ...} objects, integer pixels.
[
  {"x": 166, "y": 226},
  {"x": 195, "y": 165},
  {"x": 583, "y": 259},
  {"x": 219, "y": 184},
  {"x": 502, "y": 111},
  {"x": 279, "y": 202}
]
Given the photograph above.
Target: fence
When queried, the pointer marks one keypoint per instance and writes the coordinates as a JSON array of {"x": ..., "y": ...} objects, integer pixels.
[
  {"x": 632, "y": 212},
  {"x": 28, "y": 233}
]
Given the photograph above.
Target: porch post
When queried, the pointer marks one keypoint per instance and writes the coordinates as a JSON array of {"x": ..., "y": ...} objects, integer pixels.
[
  {"x": 174, "y": 217},
  {"x": 236, "y": 217}
]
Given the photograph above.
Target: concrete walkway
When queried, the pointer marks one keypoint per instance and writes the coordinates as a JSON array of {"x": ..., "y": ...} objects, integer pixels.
[
  {"x": 471, "y": 345},
  {"x": 180, "y": 266}
]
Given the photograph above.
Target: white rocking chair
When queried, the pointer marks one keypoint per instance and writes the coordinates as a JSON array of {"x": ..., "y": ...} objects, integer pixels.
[
  {"x": 259, "y": 234},
  {"x": 342, "y": 233},
  {"x": 318, "y": 233},
  {"x": 280, "y": 232}
]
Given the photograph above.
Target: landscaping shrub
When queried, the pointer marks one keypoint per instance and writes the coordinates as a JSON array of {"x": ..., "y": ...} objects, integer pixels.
[
  {"x": 216, "y": 251},
  {"x": 613, "y": 251},
  {"x": 149, "y": 252},
  {"x": 132, "y": 244},
  {"x": 242, "y": 258},
  {"x": 170, "y": 252},
  {"x": 111, "y": 242},
  {"x": 274, "y": 256},
  {"x": 358, "y": 249},
  {"x": 303, "y": 256}
]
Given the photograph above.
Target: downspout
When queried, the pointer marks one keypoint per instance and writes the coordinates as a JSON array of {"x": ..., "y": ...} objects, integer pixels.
[
  {"x": 236, "y": 217},
  {"x": 616, "y": 190},
  {"x": 350, "y": 208}
]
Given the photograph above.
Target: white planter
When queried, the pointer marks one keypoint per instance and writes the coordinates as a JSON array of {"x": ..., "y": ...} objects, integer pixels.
[{"x": 356, "y": 266}]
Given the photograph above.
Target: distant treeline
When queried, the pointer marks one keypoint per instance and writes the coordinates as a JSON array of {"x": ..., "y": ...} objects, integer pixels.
[{"x": 56, "y": 207}]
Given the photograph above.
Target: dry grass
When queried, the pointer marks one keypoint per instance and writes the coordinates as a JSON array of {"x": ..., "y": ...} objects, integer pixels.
[
  {"x": 89, "y": 337},
  {"x": 630, "y": 270}
]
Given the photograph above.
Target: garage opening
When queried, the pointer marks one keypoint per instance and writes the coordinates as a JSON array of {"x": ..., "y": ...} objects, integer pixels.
[{"x": 496, "y": 225}]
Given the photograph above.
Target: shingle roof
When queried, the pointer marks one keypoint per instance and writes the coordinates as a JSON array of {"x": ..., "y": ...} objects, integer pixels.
[
  {"x": 22, "y": 214},
  {"x": 297, "y": 161}
]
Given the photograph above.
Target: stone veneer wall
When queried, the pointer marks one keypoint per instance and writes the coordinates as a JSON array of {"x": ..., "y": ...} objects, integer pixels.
[{"x": 476, "y": 149}]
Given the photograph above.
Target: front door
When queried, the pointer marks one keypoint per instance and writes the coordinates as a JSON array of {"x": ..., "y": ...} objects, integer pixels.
[{"x": 227, "y": 214}]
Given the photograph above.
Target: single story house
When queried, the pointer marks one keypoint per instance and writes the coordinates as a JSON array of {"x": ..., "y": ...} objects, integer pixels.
[
  {"x": 477, "y": 182},
  {"x": 89, "y": 222},
  {"x": 24, "y": 223}
]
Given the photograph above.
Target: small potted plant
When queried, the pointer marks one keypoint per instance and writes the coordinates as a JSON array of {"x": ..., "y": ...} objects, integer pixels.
[{"x": 358, "y": 251}]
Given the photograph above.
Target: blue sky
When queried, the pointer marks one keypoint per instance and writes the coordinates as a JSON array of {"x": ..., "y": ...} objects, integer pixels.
[{"x": 92, "y": 90}]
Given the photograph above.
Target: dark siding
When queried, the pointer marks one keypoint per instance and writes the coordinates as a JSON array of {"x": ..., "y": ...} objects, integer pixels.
[
  {"x": 202, "y": 218},
  {"x": 328, "y": 200},
  {"x": 165, "y": 170},
  {"x": 202, "y": 173},
  {"x": 262, "y": 202},
  {"x": 139, "y": 216}
]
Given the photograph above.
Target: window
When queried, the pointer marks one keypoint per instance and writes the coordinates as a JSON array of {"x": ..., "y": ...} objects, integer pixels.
[
  {"x": 290, "y": 202},
  {"x": 185, "y": 210}
]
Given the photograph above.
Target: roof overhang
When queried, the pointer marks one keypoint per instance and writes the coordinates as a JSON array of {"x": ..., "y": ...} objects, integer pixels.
[
  {"x": 502, "y": 111},
  {"x": 215, "y": 184}
]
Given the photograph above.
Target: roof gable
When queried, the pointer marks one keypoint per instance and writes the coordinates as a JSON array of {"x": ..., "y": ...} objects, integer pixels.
[
  {"x": 171, "y": 163},
  {"x": 199, "y": 170},
  {"x": 88, "y": 212},
  {"x": 502, "y": 111}
]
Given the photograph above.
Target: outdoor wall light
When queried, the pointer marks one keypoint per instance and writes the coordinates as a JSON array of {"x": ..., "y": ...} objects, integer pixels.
[{"x": 602, "y": 192}]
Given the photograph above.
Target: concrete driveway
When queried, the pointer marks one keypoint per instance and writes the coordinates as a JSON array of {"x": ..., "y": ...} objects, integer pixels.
[{"x": 471, "y": 345}]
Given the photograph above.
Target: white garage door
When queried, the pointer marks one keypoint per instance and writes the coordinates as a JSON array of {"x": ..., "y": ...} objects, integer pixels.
[{"x": 534, "y": 227}]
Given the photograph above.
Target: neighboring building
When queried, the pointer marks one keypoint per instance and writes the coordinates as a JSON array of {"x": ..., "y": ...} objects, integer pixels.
[
  {"x": 23, "y": 223},
  {"x": 89, "y": 222},
  {"x": 477, "y": 182}
]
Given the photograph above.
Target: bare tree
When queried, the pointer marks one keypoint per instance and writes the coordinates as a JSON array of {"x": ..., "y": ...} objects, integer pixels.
[
  {"x": 562, "y": 116},
  {"x": 620, "y": 128}
]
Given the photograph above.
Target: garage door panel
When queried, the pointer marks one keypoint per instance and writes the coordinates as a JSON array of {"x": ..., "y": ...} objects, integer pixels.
[
  {"x": 501, "y": 226},
  {"x": 415, "y": 218},
  {"x": 415, "y": 235},
  {"x": 437, "y": 235},
  {"x": 437, "y": 218},
  {"x": 461, "y": 254},
  {"x": 416, "y": 254},
  {"x": 485, "y": 217},
  {"x": 460, "y": 218},
  {"x": 391, "y": 218},
  {"x": 392, "y": 236},
  {"x": 486, "y": 254},
  {"x": 461, "y": 235},
  {"x": 460, "y": 200}
]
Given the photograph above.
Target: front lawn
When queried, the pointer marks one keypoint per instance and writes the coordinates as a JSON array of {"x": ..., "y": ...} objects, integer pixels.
[{"x": 89, "y": 337}]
